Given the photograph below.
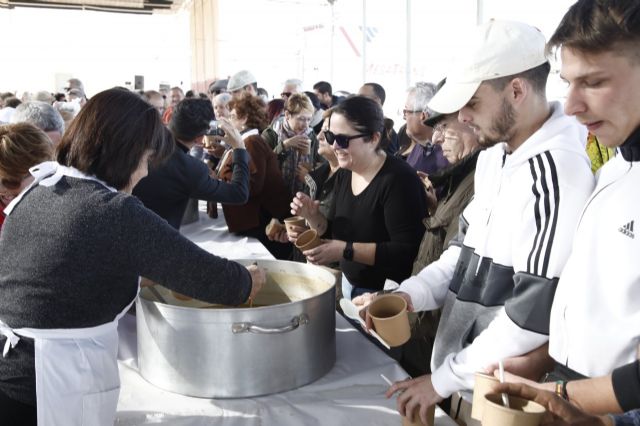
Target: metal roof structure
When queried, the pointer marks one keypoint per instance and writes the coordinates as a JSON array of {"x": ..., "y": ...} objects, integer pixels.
[{"x": 116, "y": 6}]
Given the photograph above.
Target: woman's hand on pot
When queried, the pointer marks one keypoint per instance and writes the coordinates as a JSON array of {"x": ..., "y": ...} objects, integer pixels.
[
  {"x": 303, "y": 205},
  {"x": 232, "y": 136},
  {"x": 258, "y": 279},
  {"x": 327, "y": 252}
]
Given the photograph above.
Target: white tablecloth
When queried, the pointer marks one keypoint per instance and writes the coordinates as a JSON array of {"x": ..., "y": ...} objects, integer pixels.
[{"x": 351, "y": 393}]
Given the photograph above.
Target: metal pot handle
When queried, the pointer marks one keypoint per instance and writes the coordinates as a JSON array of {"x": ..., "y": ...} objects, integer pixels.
[{"x": 247, "y": 327}]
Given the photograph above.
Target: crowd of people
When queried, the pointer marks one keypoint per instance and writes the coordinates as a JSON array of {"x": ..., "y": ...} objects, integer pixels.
[{"x": 505, "y": 221}]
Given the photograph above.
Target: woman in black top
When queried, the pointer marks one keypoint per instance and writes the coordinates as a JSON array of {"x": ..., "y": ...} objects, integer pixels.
[{"x": 379, "y": 204}]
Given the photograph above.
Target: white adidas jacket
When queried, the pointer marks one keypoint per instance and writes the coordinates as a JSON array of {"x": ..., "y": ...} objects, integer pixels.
[
  {"x": 497, "y": 288},
  {"x": 595, "y": 319}
]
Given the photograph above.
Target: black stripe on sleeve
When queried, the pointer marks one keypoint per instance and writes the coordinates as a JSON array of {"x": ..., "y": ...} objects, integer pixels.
[
  {"x": 556, "y": 207},
  {"x": 534, "y": 189}
]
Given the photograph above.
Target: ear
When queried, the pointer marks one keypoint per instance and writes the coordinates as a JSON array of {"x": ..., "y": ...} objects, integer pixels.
[
  {"x": 375, "y": 139},
  {"x": 519, "y": 89},
  {"x": 423, "y": 116}
]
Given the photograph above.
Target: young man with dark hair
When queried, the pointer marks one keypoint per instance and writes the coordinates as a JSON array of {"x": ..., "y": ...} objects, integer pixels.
[
  {"x": 168, "y": 189},
  {"x": 594, "y": 329},
  {"x": 324, "y": 92},
  {"x": 389, "y": 141},
  {"x": 496, "y": 281}
]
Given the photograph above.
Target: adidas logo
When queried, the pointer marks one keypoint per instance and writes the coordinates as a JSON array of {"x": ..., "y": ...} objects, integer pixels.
[{"x": 627, "y": 229}]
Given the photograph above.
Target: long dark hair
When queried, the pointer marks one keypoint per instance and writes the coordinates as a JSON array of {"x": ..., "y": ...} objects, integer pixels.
[{"x": 111, "y": 134}]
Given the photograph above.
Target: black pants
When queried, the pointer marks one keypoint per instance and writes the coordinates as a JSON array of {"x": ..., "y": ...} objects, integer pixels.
[{"x": 13, "y": 412}]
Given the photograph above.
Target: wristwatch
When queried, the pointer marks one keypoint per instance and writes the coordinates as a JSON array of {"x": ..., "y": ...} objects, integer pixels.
[{"x": 348, "y": 251}]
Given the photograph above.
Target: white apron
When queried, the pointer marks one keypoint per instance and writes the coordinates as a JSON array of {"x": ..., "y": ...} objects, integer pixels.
[{"x": 77, "y": 380}]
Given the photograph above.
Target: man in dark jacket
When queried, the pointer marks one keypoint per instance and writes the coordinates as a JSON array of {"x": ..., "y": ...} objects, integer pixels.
[
  {"x": 460, "y": 147},
  {"x": 168, "y": 189}
]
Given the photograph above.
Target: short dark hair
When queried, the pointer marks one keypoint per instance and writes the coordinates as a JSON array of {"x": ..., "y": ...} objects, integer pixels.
[
  {"x": 323, "y": 87},
  {"x": 364, "y": 114},
  {"x": 596, "y": 26},
  {"x": 110, "y": 135},
  {"x": 253, "y": 108},
  {"x": 191, "y": 118},
  {"x": 537, "y": 76},
  {"x": 12, "y": 102},
  {"x": 378, "y": 90}
]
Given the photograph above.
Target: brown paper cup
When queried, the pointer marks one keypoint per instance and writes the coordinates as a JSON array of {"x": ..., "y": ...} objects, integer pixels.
[
  {"x": 390, "y": 320},
  {"x": 485, "y": 384},
  {"x": 308, "y": 240},
  {"x": 520, "y": 413},
  {"x": 416, "y": 418},
  {"x": 294, "y": 221}
]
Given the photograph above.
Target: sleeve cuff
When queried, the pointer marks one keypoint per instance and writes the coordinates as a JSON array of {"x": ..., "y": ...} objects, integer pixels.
[
  {"x": 626, "y": 385},
  {"x": 443, "y": 379}
]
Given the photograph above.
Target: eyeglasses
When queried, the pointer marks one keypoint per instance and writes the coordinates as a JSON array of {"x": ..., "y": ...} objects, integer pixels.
[{"x": 341, "y": 140}]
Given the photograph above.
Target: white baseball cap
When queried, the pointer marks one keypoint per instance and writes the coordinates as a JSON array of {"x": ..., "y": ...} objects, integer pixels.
[
  {"x": 496, "y": 49},
  {"x": 239, "y": 80}
]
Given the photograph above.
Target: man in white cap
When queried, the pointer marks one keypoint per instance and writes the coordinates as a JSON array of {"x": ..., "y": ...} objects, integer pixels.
[
  {"x": 497, "y": 281},
  {"x": 242, "y": 82}
]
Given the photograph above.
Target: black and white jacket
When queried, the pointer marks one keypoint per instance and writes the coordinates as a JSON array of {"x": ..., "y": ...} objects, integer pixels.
[{"x": 497, "y": 286}]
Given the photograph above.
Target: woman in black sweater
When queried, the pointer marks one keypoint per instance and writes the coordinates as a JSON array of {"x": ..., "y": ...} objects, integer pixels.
[
  {"x": 376, "y": 218},
  {"x": 71, "y": 252}
]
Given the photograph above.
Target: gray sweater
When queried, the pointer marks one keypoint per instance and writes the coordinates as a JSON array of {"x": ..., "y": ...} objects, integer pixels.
[{"x": 70, "y": 257}]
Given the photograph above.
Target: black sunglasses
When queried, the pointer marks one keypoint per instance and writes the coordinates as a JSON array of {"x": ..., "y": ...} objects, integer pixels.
[{"x": 341, "y": 140}]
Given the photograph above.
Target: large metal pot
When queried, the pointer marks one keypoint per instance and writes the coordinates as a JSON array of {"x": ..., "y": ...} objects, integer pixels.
[{"x": 241, "y": 352}]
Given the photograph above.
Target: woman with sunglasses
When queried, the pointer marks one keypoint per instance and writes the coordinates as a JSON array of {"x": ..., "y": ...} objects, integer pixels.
[
  {"x": 73, "y": 247},
  {"x": 375, "y": 221},
  {"x": 22, "y": 146}
]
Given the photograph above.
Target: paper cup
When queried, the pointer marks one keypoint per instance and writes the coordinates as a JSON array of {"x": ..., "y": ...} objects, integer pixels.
[
  {"x": 485, "y": 384},
  {"x": 431, "y": 412},
  {"x": 294, "y": 221},
  {"x": 390, "y": 320},
  {"x": 520, "y": 412},
  {"x": 307, "y": 240}
]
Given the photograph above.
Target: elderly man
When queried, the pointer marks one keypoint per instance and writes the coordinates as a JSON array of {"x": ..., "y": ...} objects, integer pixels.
[
  {"x": 423, "y": 156},
  {"x": 175, "y": 96},
  {"x": 43, "y": 116},
  {"x": 242, "y": 82},
  {"x": 155, "y": 99},
  {"x": 461, "y": 148},
  {"x": 291, "y": 86},
  {"x": 496, "y": 281}
]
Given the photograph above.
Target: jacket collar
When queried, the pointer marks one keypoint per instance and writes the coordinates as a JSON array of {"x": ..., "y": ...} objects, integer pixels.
[{"x": 630, "y": 149}]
